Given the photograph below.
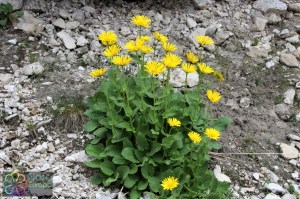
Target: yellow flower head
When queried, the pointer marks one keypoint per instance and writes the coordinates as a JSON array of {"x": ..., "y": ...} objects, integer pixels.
[
  {"x": 191, "y": 57},
  {"x": 154, "y": 68},
  {"x": 108, "y": 38},
  {"x": 98, "y": 72},
  {"x": 171, "y": 60},
  {"x": 170, "y": 183},
  {"x": 174, "y": 122},
  {"x": 205, "y": 69},
  {"x": 133, "y": 46},
  {"x": 189, "y": 68},
  {"x": 121, "y": 60},
  {"x": 169, "y": 47},
  {"x": 160, "y": 37},
  {"x": 204, "y": 40},
  {"x": 144, "y": 38},
  {"x": 195, "y": 137},
  {"x": 212, "y": 133},
  {"x": 112, "y": 50},
  {"x": 213, "y": 96},
  {"x": 218, "y": 75},
  {"x": 141, "y": 20},
  {"x": 146, "y": 49}
]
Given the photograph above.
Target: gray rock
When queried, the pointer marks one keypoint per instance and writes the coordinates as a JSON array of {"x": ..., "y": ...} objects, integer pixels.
[
  {"x": 4, "y": 158},
  {"x": 275, "y": 188},
  {"x": 77, "y": 157},
  {"x": 5, "y": 78},
  {"x": 201, "y": 4},
  {"x": 257, "y": 52},
  {"x": 191, "y": 23},
  {"x": 59, "y": 23},
  {"x": 34, "y": 68},
  {"x": 289, "y": 60},
  {"x": 288, "y": 196},
  {"x": 81, "y": 41},
  {"x": 68, "y": 41},
  {"x": 297, "y": 53},
  {"x": 255, "y": 176},
  {"x": 220, "y": 176},
  {"x": 261, "y": 23},
  {"x": 72, "y": 25},
  {"x": 95, "y": 45},
  {"x": 270, "y": 64},
  {"x": 64, "y": 14},
  {"x": 78, "y": 15},
  {"x": 288, "y": 152},
  {"x": 12, "y": 41},
  {"x": 272, "y": 196},
  {"x": 295, "y": 7},
  {"x": 17, "y": 4},
  {"x": 298, "y": 117},
  {"x": 56, "y": 180},
  {"x": 294, "y": 39},
  {"x": 283, "y": 111},
  {"x": 245, "y": 102},
  {"x": 125, "y": 31},
  {"x": 222, "y": 36},
  {"x": 53, "y": 42},
  {"x": 42, "y": 148},
  {"x": 289, "y": 96},
  {"x": 274, "y": 18},
  {"x": 270, "y": 5},
  {"x": 29, "y": 23}
]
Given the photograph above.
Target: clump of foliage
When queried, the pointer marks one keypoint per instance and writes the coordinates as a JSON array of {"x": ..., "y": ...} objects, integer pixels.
[
  {"x": 148, "y": 137},
  {"x": 7, "y": 14}
]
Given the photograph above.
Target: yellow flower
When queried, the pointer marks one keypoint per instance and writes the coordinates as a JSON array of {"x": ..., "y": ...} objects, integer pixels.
[
  {"x": 144, "y": 38},
  {"x": 146, "y": 49},
  {"x": 174, "y": 122},
  {"x": 170, "y": 183},
  {"x": 112, "y": 50},
  {"x": 191, "y": 57},
  {"x": 213, "y": 96},
  {"x": 218, "y": 75},
  {"x": 204, "y": 40},
  {"x": 154, "y": 68},
  {"x": 160, "y": 37},
  {"x": 189, "y": 68},
  {"x": 141, "y": 20},
  {"x": 108, "y": 38},
  {"x": 169, "y": 47},
  {"x": 205, "y": 69},
  {"x": 171, "y": 60},
  {"x": 195, "y": 137},
  {"x": 121, "y": 60},
  {"x": 212, "y": 133},
  {"x": 133, "y": 46},
  {"x": 98, "y": 72}
]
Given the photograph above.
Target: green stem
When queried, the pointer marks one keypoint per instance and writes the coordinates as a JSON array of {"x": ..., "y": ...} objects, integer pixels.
[{"x": 186, "y": 74}]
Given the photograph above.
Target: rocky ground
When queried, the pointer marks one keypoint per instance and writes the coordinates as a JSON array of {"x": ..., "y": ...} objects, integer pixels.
[{"x": 46, "y": 58}]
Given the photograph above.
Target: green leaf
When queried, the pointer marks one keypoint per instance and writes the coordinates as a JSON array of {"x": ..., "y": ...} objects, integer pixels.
[
  {"x": 100, "y": 132},
  {"x": 125, "y": 125},
  {"x": 214, "y": 145},
  {"x": 119, "y": 160},
  {"x": 221, "y": 123},
  {"x": 90, "y": 126},
  {"x": 94, "y": 150},
  {"x": 142, "y": 185},
  {"x": 154, "y": 184},
  {"x": 109, "y": 180},
  {"x": 133, "y": 169},
  {"x": 130, "y": 181},
  {"x": 3, "y": 22},
  {"x": 136, "y": 58},
  {"x": 94, "y": 163},
  {"x": 147, "y": 171},
  {"x": 107, "y": 168},
  {"x": 155, "y": 147},
  {"x": 135, "y": 193},
  {"x": 168, "y": 141},
  {"x": 101, "y": 106},
  {"x": 97, "y": 179},
  {"x": 113, "y": 150},
  {"x": 124, "y": 171},
  {"x": 128, "y": 154},
  {"x": 141, "y": 141},
  {"x": 214, "y": 196}
]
